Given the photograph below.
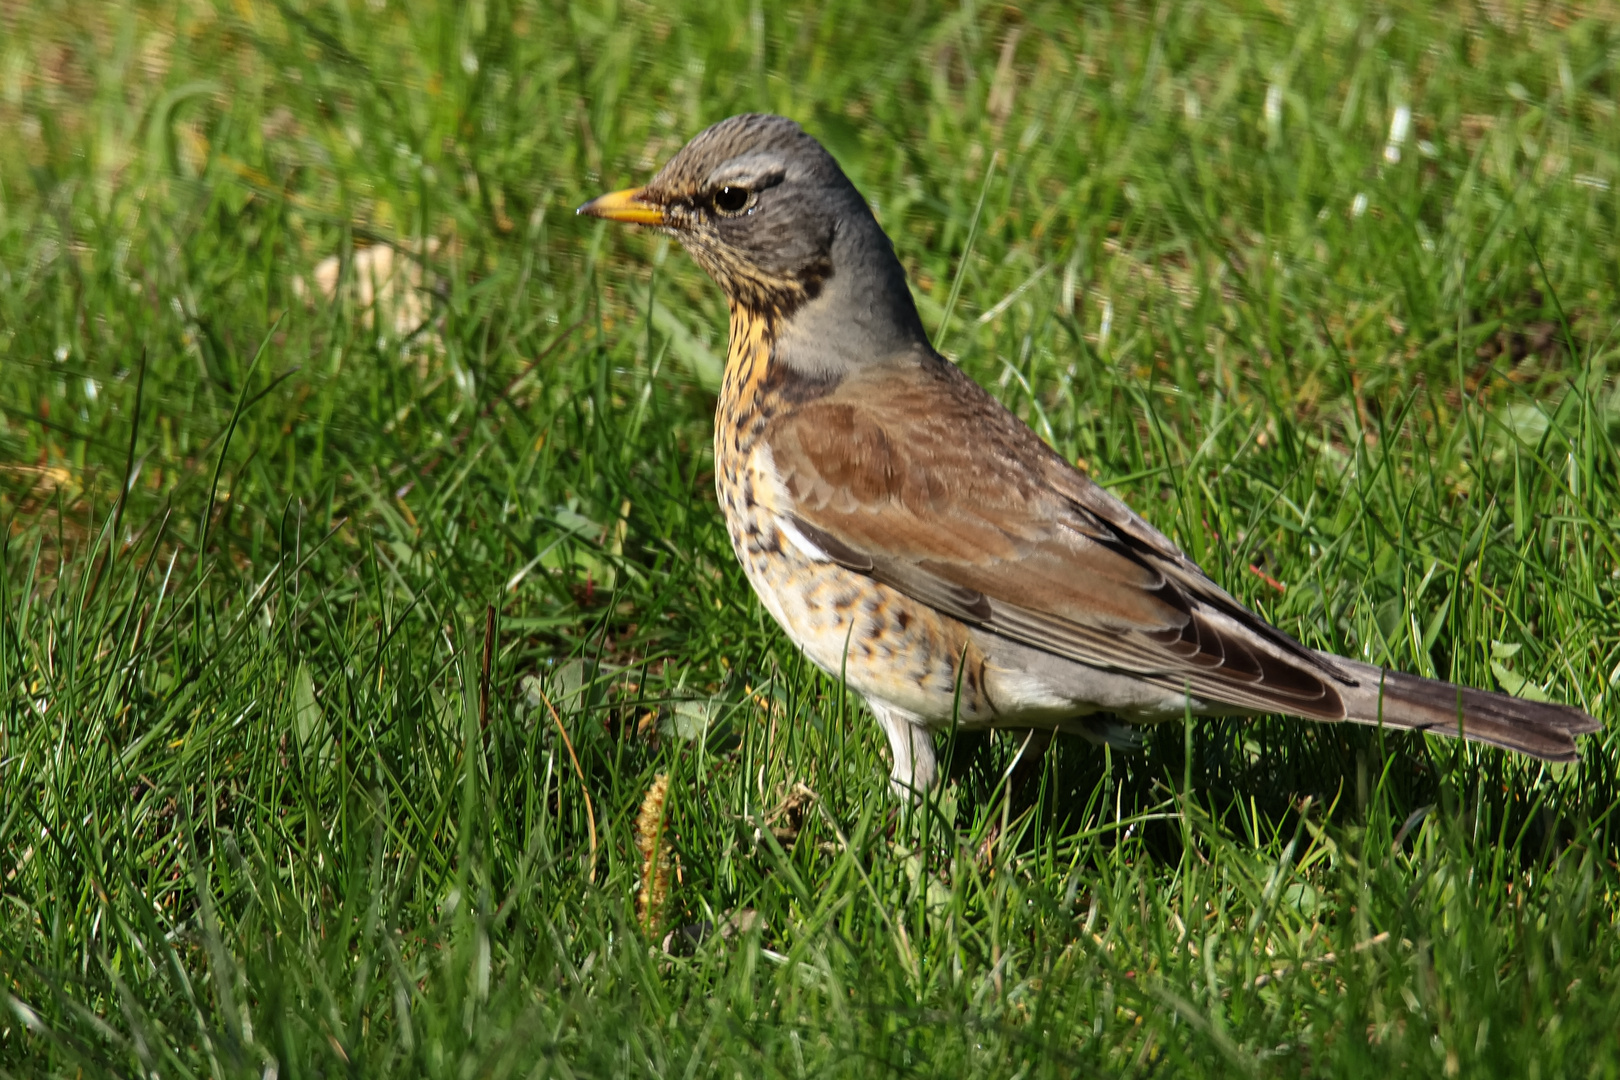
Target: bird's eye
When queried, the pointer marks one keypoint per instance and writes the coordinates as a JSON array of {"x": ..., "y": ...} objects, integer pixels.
[{"x": 731, "y": 200}]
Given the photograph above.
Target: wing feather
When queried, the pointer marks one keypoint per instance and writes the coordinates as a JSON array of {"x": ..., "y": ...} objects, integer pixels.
[{"x": 998, "y": 531}]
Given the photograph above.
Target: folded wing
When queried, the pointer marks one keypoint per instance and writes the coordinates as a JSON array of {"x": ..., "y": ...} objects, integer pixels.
[
  {"x": 996, "y": 530},
  {"x": 1000, "y": 532}
]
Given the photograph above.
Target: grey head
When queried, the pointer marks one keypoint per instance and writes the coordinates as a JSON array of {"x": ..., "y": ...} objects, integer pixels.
[{"x": 768, "y": 213}]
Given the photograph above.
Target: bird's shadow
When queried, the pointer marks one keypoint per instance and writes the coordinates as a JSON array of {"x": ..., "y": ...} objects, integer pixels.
[{"x": 1242, "y": 772}]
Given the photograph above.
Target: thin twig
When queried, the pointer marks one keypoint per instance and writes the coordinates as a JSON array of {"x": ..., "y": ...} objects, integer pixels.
[
  {"x": 483, "y": 675},
  {"x": 590, "y": 813},
  {"x": 511, "y": 387},
  {"x": 967, "y": 249}
]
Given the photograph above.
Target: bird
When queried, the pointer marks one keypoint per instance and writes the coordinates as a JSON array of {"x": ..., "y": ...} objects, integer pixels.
[{"x": 916, "y": 539}]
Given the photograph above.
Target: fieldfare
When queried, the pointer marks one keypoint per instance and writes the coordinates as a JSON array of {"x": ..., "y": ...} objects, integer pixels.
[{"x": 917, "y": 539}]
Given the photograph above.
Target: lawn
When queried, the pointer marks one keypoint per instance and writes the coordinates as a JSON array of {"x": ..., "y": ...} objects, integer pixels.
[{"x": 382, "y": 696}]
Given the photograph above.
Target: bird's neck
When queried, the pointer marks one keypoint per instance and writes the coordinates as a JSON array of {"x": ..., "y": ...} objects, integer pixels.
[
  {"x": 793, "y": 345},
  {"x": 758, "y": 381},
  {"x": 861, "y": 312}
]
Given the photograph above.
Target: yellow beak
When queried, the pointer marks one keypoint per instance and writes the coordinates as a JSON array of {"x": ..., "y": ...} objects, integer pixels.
[{"x": 626, "y": 205}]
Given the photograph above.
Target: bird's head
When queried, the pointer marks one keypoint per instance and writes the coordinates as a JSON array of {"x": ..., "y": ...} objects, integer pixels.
[{"x": 767, "y": 212}]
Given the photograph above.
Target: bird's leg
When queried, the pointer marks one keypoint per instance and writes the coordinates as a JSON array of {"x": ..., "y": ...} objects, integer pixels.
[{"x": 912, "y": 747}]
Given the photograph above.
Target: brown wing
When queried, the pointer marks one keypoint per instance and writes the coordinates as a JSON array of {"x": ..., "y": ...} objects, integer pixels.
[{"x": 917, "y": 477}]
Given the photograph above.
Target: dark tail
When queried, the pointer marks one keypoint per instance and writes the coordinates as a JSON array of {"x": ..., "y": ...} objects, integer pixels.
[{"x": 1398, "y": 700}]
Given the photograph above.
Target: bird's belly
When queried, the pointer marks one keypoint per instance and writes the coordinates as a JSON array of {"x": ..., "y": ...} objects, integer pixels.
[
  {"x": 1039, "y": 689},
  {"x": 879, "y": 641},
  {"x": 900, "y": 651},
  {"x": 887, "y": 646}
]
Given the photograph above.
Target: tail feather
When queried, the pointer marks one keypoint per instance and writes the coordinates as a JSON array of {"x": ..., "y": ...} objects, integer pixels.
[{"x": 1398, "y": 700}]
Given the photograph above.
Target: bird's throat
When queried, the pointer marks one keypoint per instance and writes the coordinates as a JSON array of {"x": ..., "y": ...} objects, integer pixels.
[
  {"x": 748, "y": 360},
  {"x": 759, "y": 382}
]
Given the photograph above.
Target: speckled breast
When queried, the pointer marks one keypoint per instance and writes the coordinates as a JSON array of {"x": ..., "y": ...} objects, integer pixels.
[{"x": 882, "y": 643}]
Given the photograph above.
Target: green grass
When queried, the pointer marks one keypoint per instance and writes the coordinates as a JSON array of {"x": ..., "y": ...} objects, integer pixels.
[{"x": 275, "y": 801}]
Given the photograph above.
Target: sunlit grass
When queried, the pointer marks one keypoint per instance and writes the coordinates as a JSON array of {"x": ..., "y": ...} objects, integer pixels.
[{"x": 323, "y": 749}]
